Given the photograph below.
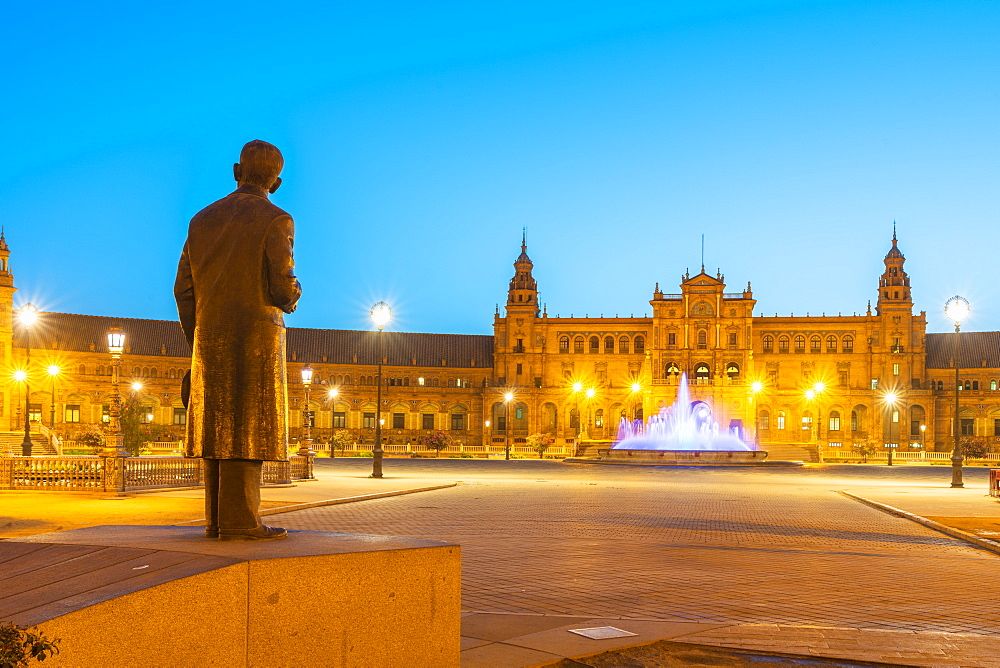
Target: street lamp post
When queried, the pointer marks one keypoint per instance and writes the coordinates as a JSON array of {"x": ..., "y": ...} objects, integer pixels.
[
  {"x": 306, "y": 441},
  {"x": 755, "y": 388},
  {"x": 957, "y": 309},
  {"x": 114, "y": 453},
  {"x": 892, "y": 400},
  {"x": 53, "y": 370},
  {"x": 380, "y": 314},
  {"x": 27, "y": 315},
  {"x": 507, "y": 398},
  {"x": 812, "y": 394},
  {"x": 923, "y": 438},
  {"x": 333, "y": 393}
]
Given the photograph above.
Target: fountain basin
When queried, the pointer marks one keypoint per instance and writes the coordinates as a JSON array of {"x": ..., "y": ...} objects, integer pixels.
[{"x": 684, "y": 457}]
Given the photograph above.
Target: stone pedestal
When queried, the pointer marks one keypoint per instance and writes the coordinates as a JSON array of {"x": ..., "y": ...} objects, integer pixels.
[{"x": 167, "y": 596}]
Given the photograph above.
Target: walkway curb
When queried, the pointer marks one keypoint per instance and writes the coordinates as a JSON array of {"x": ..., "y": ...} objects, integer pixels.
[
  {"x": 984, "y": 543},
  {"x": 333, "y": 502}
]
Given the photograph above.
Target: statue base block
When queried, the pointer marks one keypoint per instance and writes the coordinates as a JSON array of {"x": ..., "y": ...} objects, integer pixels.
[{"x": 167, "y": 596}]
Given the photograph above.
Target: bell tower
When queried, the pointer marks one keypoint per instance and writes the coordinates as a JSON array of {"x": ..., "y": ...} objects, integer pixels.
[
  {"x": 7, "y": 290},
  {"x": 894, "y": 284},
  {"x": 522, "y": 296}
]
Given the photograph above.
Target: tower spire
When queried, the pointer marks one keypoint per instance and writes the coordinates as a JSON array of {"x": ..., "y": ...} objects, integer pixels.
[
  {"x": 522, "y": 295},
  {"x": 894, "y": 284}
]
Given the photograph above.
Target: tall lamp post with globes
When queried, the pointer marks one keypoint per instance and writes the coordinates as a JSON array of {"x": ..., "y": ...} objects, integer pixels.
[
  {"x": 54, "y": 372},
  {"x": 380, "y": 314},
  {"x": 333, "y": 394},
  {"x": 114, "y": 453},
  {"x": 507, "y": 398},
  {"x": 891, "y": 400},
  {"x": 28, "y": 314},
  {"x": 305, "y": 442},
  {"x": 957, "y": 309}
]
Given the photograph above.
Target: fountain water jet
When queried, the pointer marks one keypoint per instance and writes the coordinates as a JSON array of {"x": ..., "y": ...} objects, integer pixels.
[{"x": 684, "y": 433}]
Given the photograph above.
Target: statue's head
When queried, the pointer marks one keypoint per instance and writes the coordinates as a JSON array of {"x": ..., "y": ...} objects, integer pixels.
[{"x": 260, "y": 164}]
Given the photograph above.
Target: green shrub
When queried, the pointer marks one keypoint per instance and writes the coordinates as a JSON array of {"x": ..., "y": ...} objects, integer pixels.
[{"x": 18, "y": 646}]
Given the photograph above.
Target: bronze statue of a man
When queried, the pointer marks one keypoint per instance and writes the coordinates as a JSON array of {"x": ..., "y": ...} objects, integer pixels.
[{"x": 235, "y": 278}]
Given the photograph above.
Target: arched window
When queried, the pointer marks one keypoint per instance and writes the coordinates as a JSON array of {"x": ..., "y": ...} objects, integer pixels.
[
  {"x": 831, "y": 344},
  {"x": 83, "y": 369},
  {"x": 993, "y": 385},
  {"x": 599, "y": 418},
  {"x": 347, "y": 380},
  {"x": 623, "y": 344},
  {"x": 854, "y": 420},
  {"x": 640, "y": 344},
  {"x": 815, "y": 344},
  {"x": 800, "y": 343},
  {"x": 733, "y": 370},
  {"x": 564, "y": 344},
  {"x": 702, "y": 339},
  {"x": 967, "y": 386},
  {"x": 609, "y": 344},
  {"x": 578, "y": 344},
  {"x": 672, "y": 370},
  {"x": 783, "y": 344},
  {"x": 834, "y": 421},
  {"x": 768, "y": 343},
  {"x": 764, "y": 421},
  {"x": 702, "y": 372},
  {"x": 574, "y": 419},
  {"x": 171, "y": 373},
  {"x": 100, "y": 369},
  {"x": 975, "y": 385},
  {"x": 595, "y": 344},
  {"x": 848, "y": 344}
]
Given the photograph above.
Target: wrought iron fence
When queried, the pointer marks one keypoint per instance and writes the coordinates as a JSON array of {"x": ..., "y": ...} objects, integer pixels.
[{"x": 92, "y": 474}]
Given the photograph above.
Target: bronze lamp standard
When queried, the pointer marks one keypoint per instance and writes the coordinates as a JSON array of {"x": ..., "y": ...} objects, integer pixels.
[
  {"x": 54, "y": 371},
  {"x": 332, "y": 394},
  {"x": 27, "y": 315},
  {"x": 380, "y": 314},
  {"x": 306, "y": 441},
  {"x": 507, "y": 398},
  {"x": 114, "y": 453},
  {"x": 891, "y": 400},
  {"x": 957, "y": 309}
]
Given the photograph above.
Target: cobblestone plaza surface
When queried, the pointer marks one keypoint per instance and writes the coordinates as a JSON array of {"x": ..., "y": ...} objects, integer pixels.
[{"x": 748, "y": 546}]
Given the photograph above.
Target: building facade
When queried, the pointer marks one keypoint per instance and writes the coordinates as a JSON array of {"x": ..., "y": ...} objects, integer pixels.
[{"x": 805, "y": 382}]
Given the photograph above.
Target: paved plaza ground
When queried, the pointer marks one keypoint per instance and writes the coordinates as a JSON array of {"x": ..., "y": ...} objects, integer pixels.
[{"x": 787, "y": 560}]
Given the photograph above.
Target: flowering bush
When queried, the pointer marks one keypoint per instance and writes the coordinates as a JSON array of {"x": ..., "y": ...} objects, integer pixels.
[
  {"x": 974, "y": 447},
  {"x": 539, "y": 443},
  {"x": 437, "y": 441}
]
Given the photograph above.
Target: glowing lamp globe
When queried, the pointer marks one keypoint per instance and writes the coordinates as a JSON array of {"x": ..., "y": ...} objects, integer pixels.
[
  {"x": 307, "y": 375},
  {"x": 381, "y": 314},
  {"x": 116, "y": 341},
  {"x": 28, "y": 315},
  {"x": 957, "y": 309}
]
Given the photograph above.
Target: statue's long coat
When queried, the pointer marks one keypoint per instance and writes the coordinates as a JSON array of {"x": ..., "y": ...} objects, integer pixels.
[{"x": 235, "y": 278}]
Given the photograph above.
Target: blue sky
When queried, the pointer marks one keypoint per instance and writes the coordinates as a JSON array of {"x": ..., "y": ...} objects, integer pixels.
[{"x": 420, "y": 138}]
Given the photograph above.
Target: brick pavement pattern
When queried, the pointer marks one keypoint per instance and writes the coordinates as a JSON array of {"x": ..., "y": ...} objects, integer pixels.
[{"x": 744, "y": 546}]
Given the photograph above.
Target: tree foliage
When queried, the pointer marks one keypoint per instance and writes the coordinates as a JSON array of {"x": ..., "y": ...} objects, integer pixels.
[
  {"x": 19, "y": 646},
  {"x": 437, "y": 441},
  {"x": 539, "y": 443},
  {"x": 341, "y": 439}
]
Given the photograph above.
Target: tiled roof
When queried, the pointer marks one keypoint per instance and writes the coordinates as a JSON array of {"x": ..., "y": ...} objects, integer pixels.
[
  {"x": 974, "y": 348},
  {"x": 164, "y": 338}
]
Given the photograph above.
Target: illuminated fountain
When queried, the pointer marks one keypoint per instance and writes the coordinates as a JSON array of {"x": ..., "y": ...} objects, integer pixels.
[{"x": 684, "y": 433}]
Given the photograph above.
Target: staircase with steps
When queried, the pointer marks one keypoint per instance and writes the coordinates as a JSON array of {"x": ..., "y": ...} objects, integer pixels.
[
  {"x": 10, "y": 444},
  {"x": 796, "y": 452}
]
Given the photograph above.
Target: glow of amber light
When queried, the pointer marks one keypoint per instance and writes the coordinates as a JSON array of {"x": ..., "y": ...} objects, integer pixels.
[
  {"x": 957, "y": 309},
  {"x": 27, "y": 314},
  {"x": 756, "y": 386},
  {"x": 20, "y": 375},
  {"x": 307, "y": 375},
  {"x": 333, "y": 393},
  {"x": 136, "y": 386},
  {"x": 636, "y": 387},
  {"x": 590, "y": 393},
  {"x": 577, "y": 386},
  {"x": 508, "y": 396},
  {"x": 116, "y": 341},
  {"x": 53, "y": 370},
  {"x": 819, "y": 387},
  {"x": 810, "y": 394},
  {"x": 380, "y": 314},
  {"x": 890, "y": 398}
]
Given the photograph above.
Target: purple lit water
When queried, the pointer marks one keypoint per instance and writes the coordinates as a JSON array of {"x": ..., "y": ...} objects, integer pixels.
[{"x": 682, "y": 426}]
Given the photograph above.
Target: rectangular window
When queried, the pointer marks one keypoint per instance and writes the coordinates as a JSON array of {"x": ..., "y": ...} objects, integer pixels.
[
  {"x": 399, "y": 420},
  {"x": 502, "y": 424},
  {"x": 874, "y": 383},
  {"x": 968, "y": 427},
  {"x": 520, "y": 369},
  {"x": 807, "y": 422},
  {"x": 35, "y": 412},
  {"x": 538, "y": 381},
  {"x": 457, "y": 421},
  {"x": 180, "y": 416},
  {"x": 854, "y": 421},
  {"x": 834, "y": 423},
  {"x": 996, "y": 427},
  {"x": 781, "y": 421},
  {"x": 764, "y": 422},
  {"x": 420, "y": 382},
  {"x": 368, "y": 420},
  {"x": 339, "y": 419},
  {"x": 578, "y": 346},
  {"x": 72, "y": 413},
  {"x": 146, "y": 415},
  {"x": 671, "y": 339},
  {"x": 427, "y": 421},
  {"x": 895, "y": 369},
  {"x": 835, "y": 446},
  {"x": 914, "y": 427},
  {"x": 895, "y": 416},
  {"x": 844, "y": 379}
]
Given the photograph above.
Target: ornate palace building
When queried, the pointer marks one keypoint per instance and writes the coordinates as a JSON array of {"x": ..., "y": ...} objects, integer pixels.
[{"x": 877, "y": 377}]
